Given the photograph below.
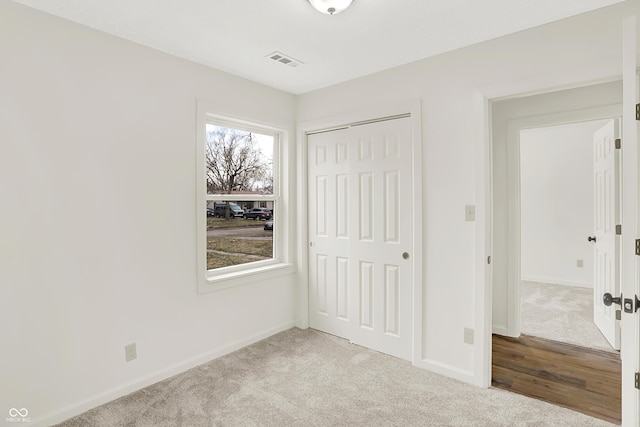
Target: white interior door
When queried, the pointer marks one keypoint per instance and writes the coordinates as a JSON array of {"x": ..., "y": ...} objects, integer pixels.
[
  {"x": 360, "y": 228},
  {"x": 630, "y": 342},
  {"x": 606, "y": 168}
]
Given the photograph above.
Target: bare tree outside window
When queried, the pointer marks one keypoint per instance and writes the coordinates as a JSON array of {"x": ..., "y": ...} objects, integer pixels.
[
  {"x": 239, "y": 173},
  {"x": 236, "y": 162}
]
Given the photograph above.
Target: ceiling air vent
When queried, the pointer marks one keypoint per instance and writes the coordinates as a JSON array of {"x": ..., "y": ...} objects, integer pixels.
[{"x": 284, "y": 59}]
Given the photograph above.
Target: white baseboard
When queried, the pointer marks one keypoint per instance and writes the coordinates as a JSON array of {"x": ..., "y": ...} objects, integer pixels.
[
  {"x": 449, "y": 371},
  {"x": 553, "y": 281},
  {"x": 80, "y": 407},
  {"x": 499, "y": 330}
]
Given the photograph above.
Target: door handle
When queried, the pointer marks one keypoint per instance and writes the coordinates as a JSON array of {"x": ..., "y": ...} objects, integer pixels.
[
  {"x": 591, "y": 239},
  {"x": 609, "y": 299}
]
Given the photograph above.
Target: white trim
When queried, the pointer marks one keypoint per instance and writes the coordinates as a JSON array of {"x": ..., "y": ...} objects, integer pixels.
[
  {"x": 201, "y": 192},
  {"x": 499, "y": 330},
  {"x": 162, "y": 374},
  {"x": 240, "y": 197},
  {"x": 514, "y": 258},
  {"x": 359, "y": 123},
  {"x": 413, "y": 108},
  {"x": 303, "y": 231},
  {"x": 418, "y": 259},
  {"x": 554, "y": 281},
  {"x": 346, "y": 119},
  {"x": 268, "y": 269},
  {"x": 242, "y": 124},
  {"x": 484, "y": 248},
  {"x": 238, "y": 275},
  {"x": 447, "y": 370}
]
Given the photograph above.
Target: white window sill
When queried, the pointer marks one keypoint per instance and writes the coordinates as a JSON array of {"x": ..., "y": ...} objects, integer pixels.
[{"x": 219, "y": 282}]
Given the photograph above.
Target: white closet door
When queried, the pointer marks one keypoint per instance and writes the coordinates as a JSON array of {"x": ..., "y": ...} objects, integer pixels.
[{"x": 361, "y": 234}]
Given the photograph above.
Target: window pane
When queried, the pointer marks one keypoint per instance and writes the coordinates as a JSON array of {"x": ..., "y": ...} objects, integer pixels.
[
  {"x": 236, "y": 236},
  {"x": 238, "y": 162}
]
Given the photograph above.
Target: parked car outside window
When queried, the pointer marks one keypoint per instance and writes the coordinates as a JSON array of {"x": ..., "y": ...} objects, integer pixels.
[
  {"x": 234, "y": 210},
  {"x": 258, "y": 213}
]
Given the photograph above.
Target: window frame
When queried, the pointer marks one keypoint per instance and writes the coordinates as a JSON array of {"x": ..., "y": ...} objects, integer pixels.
[{"x": 235, "y": 275}]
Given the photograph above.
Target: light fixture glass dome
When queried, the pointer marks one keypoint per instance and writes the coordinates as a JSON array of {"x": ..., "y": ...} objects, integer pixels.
[{"x": 330, "y": 7}]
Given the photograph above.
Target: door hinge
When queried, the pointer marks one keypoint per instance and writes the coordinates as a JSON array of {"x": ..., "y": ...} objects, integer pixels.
[
  {"x": 619, "y": 229},
  {"x": 637, "y": 380},
  {"x": 637, "y": 111},
  {"x": 619, "y": 143},
  {"x": 637, "y": 246}
]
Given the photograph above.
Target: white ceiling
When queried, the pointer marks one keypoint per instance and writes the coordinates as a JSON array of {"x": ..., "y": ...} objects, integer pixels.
[{"x": 373, "y": 35}]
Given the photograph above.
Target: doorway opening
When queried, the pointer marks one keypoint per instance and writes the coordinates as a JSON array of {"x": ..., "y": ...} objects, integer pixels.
[
  {"x": 568, "y": 204},
  {"x": 557, "y": 217},
  {"x": 520, "y": 363}
]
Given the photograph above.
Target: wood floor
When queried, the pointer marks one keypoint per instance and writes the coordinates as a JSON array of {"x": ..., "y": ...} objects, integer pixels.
[{"x": 581, "y": 379}]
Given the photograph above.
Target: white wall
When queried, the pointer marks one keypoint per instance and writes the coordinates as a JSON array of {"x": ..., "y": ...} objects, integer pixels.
[
  {"x": 453, "y": 89},
  {"x": 556, "y": 180},
  {"x": 97, "y": 224}
]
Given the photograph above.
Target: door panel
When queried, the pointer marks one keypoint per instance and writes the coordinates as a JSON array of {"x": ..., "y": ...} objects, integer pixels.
[
  {"x": 329, "y": 230},
  {"x": 360, "y": 224},
  {"x": 607, "y": 215}
]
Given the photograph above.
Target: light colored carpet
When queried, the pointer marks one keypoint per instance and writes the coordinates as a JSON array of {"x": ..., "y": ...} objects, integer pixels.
[
  {"x": 308, "y": 378},
  {"x": 560, "y": 313}
]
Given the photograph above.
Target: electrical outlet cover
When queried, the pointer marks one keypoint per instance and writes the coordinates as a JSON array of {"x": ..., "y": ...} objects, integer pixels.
[
  {"x": 470, "y": 213},
  {"x": 468, "y": 336},
  {"x": 130, "y": 352}
]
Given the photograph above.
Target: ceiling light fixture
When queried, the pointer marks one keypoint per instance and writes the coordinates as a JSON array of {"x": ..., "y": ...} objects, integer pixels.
[{"x": 330, "y": 7}]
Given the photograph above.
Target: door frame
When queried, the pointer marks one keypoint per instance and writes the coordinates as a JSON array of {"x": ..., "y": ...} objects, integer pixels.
[
  {"x": 514, "y": 127},
  {"x": 414, "y": 108}
]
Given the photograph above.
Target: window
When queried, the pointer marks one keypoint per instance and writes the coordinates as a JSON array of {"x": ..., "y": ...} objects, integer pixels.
[
  {"x": 238, "y": 193},
  {"x": 238, "y": 168}
]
